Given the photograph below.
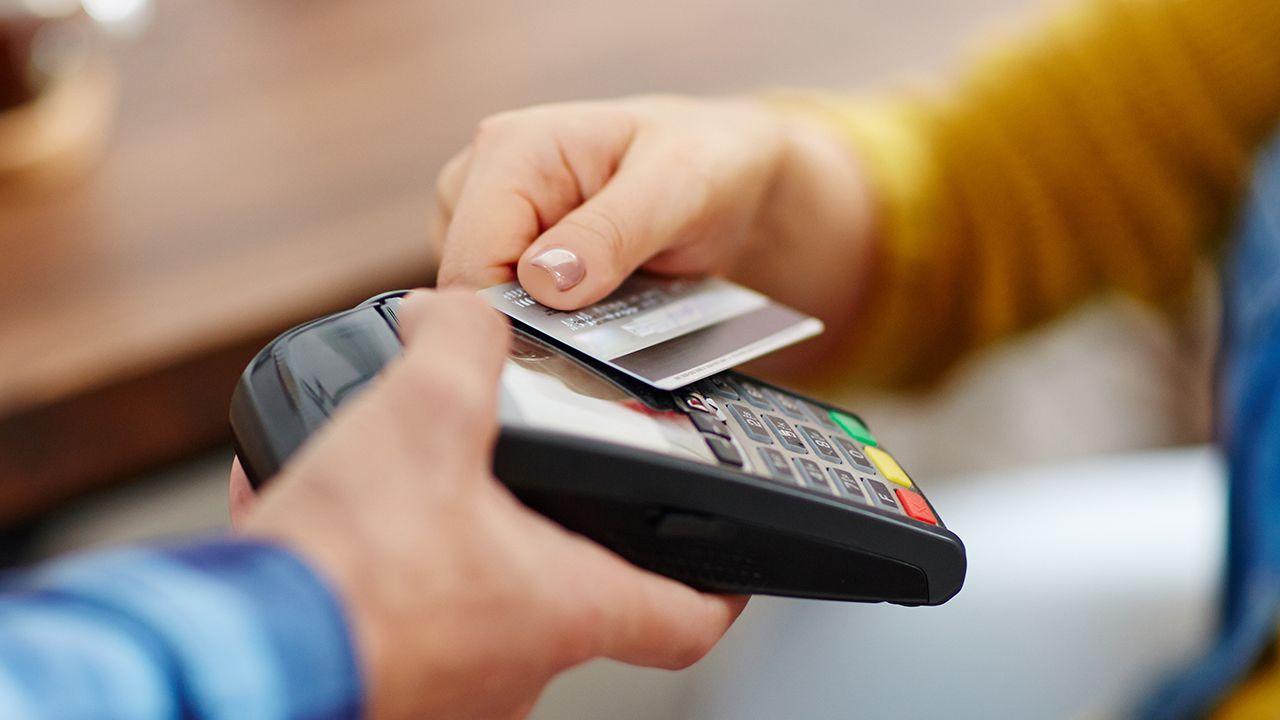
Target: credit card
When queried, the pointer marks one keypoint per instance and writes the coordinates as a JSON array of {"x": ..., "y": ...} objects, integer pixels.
[{"x": 667, "y": 332}]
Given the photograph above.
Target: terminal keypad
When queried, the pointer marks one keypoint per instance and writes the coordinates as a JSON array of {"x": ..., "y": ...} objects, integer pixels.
[
  {"x": 750, "y": 423},
  {"x": 773, "y": 434},
  {"x": 820, "y": 445}
]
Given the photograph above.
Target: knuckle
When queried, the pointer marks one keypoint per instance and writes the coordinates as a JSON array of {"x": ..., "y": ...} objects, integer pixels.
[
  {"x": 607, "y": 231},
  {"x": 449, "y": 274},
  {"x": 497, "y": 125}
]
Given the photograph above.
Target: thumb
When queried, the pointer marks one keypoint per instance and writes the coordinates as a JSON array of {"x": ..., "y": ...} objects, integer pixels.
[{"x": 591, "y": 250}]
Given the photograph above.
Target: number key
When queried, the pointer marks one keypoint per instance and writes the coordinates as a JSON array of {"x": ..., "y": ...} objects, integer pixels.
[
  {"x": 754, "y": 395},
  {"x": 848, "y": 485},
  {"x": 709, "y": 424},
  {"x": 785, "y": 434},
  {"x": 789, "y": 405},
  {"x": 811, "y": 472},
  {"x": 852, "y": 452},
  {"x": 724, "y": 450},
  {"x": 824, "y": 418},
  {"x": 750, "y": 422},
  {"x": 776, "y": 465},
  {"x": 721, "y": 387},
  {"x": 820, "y": 445}
]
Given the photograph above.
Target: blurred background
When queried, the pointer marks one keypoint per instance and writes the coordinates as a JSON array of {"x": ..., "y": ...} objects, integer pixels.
[{"x": 180, "y": 181}]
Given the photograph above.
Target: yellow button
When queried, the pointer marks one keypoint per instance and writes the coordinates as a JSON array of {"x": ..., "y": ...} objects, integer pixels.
[{"x": 888, "y": 466}]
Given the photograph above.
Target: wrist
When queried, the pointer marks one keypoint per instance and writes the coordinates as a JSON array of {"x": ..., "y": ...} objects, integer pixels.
[
  {"x": 813, "y": 245},
  {"x": 331, "y": 551},
  {"x": 820, "y": 187}
]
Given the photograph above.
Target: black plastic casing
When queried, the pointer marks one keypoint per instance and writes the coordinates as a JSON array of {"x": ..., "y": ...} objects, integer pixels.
[{"x": 712, "y": 527}]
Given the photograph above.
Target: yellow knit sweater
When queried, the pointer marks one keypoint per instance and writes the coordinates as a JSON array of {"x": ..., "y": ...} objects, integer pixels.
[{"x": 1106, "y": 153}]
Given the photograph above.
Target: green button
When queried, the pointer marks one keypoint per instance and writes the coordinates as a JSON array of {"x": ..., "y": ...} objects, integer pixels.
[{"x": 854, "y": 427}]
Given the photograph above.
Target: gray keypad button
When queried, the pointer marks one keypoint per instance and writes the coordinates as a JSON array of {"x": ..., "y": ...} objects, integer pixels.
[
  {"x": 751, "y": 423},
  {"x": 753, "y": 394},
  {"x": 789, "y": 405},
  {"x": 709, "y": 424},
  {"x": 785, "y": 434},
  {"x": 724, "y": 450},
  {"x": 776, "y": 464},
  {"x": 811, "y": 473},
  {"x": 881, "y": 493},
  {"x": 821, "y": 446},
  {"x": 848, "y": 485},
  {"x": 852, "y": 452},
  {"x": 822, "y": 416},
  {"x": 720, "y": 386}
]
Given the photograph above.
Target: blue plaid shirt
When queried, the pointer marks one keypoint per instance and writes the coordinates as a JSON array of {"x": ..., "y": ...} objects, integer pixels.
[{"x": 218, "y": 629}]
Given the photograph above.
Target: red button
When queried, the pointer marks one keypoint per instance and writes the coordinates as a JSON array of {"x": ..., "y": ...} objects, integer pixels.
[{"x": 916, "y": 507}]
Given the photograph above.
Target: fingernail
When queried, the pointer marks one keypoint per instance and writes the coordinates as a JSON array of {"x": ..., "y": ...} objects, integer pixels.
[{"x": 563, "y": 265}]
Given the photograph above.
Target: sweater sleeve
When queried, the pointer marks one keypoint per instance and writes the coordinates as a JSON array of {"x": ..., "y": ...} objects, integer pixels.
[{"x": 1105, "y": 152}]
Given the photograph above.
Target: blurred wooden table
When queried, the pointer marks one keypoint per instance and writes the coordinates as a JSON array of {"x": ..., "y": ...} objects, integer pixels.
[{"x": 273, "y": 160}]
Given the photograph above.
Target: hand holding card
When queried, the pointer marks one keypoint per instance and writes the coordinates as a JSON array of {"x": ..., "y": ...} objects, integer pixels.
[{"x": 666, "y": 332}]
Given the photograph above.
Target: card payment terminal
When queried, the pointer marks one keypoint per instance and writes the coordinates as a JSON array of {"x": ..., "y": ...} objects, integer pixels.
[{"x": 730, "y": 484}]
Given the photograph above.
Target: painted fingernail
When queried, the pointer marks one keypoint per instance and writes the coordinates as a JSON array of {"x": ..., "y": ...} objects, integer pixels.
[{"x": 563, "y": 265}]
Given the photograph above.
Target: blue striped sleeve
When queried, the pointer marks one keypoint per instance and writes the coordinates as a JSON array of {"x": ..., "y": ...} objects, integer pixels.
[{"x": 220, "y": 629}]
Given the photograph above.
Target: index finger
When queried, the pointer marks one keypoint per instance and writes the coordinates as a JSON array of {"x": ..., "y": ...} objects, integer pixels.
[{"x": 515, "y": 187}]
